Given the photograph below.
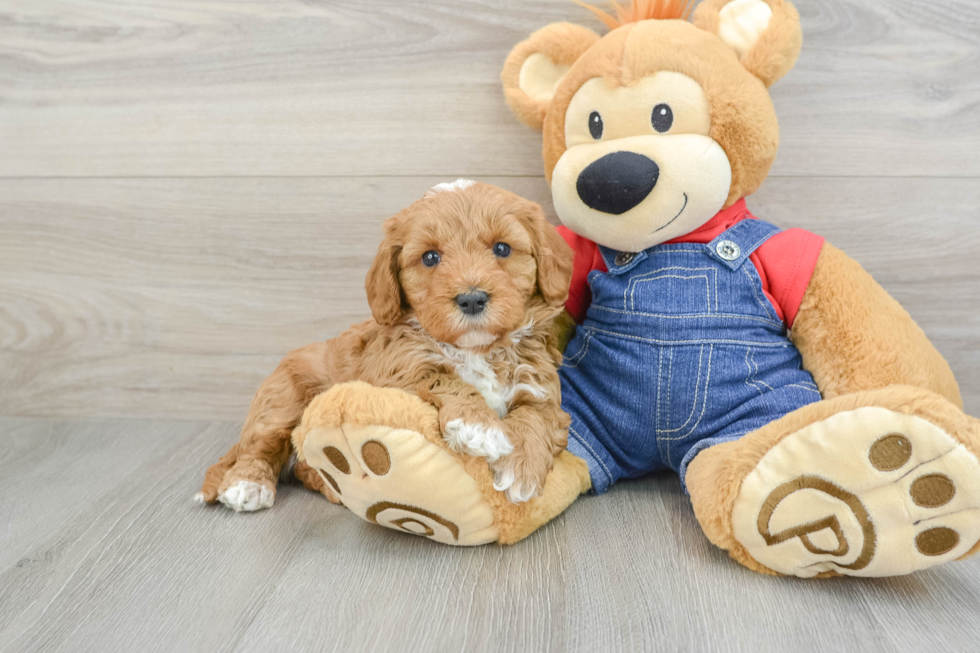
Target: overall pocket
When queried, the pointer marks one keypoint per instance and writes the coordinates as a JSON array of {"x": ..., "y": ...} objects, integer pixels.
[
  {"x": 683, "y": 398},
  {"x": 577, "y": 349}
]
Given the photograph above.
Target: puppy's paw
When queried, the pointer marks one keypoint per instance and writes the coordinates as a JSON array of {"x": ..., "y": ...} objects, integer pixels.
[
  {"x": 516, "y": 481},
  {"x": 247, "y": 496},
  {"x": 516, "y": 491},
  {"x": 477, "y": 440}
]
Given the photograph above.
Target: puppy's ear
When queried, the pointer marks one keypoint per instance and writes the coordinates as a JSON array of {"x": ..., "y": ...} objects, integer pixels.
[
  {"x": 765, "y": 34},
  {"x": 384, "y": 291},
  {"x": 553, "y": 256},
  {"x": 536, "y": 66}
]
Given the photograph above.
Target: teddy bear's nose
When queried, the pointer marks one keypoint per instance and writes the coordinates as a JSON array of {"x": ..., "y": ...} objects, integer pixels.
[{"x": 617, "y": 182}]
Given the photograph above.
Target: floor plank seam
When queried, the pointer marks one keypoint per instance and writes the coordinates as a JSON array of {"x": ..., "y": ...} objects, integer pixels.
[{"x": 494, "y": 175}]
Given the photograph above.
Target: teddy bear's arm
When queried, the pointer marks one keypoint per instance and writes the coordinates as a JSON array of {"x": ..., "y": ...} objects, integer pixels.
[
  {"x": 562, "y": 332},
  {"x": 854, "y": 336}
]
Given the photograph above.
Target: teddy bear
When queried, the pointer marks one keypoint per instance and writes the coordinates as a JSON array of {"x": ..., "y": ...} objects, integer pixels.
[{"x": 816, "y": 429}]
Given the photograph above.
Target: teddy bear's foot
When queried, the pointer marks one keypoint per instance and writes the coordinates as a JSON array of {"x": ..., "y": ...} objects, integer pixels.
[
  {"x": 863, "y": 492},
  {"x": 869, "y": 492},
  {"x": 380, "y": 453}
]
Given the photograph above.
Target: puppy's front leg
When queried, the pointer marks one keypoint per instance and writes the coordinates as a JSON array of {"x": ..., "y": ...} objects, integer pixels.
[
  {"x": 467, "y": 423},
  {"x": 538, "y": 431}
]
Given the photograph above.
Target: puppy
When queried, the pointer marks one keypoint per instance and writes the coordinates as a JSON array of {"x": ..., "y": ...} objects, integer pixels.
[{"x": 464, "y": 291}]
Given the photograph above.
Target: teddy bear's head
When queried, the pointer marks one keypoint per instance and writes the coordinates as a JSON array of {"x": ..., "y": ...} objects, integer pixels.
[{"x": 652, "y": 129}]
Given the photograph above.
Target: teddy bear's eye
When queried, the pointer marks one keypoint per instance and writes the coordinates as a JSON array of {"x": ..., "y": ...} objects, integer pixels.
[
  {"x": 662, "y": 118},
  {"x": 595, "y": 125}
]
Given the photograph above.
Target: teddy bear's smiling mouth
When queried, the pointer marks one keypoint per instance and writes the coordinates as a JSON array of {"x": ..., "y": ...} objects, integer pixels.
[{"x": 674, "y": 218}]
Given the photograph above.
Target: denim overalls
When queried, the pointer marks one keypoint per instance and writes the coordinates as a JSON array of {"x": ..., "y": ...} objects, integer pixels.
[{"x": 680, "y": 350}]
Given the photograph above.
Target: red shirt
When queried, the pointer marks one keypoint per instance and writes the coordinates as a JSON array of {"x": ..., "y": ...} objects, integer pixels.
[{"x": 785, "y": 262}]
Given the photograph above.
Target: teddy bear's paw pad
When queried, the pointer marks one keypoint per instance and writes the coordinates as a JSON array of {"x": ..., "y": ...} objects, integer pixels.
[
  {"x": 869, "y": 492},
  {"x": 247, "y": 496},
  {"x": 398, "y": 479}
]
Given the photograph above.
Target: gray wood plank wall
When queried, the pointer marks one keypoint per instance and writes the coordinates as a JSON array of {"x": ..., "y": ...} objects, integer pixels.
[{"x": 190, "y": 189}]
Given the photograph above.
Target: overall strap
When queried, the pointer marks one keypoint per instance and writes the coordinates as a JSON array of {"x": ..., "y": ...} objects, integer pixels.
[{"x": 734, "y": 246}]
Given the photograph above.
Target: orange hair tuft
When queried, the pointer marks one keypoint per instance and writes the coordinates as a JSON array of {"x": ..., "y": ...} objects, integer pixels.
[{"x": 642, "y": 10}]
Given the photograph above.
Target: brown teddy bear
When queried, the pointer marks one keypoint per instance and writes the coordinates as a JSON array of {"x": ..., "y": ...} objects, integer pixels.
[{"x": 815, "y": 427}]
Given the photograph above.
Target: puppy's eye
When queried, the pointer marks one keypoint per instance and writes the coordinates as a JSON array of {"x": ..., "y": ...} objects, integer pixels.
[
  {"x": 431, "y": 258},
  {"x": 662, "y": 118},
  {"x": 502, "y": 250},
  {"x": 595, "y": 125}
]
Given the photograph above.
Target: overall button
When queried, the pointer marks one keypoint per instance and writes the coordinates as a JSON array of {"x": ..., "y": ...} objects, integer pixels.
[
  {"x": 728, "y": 250},
  {"x": 624, "y": 258}
]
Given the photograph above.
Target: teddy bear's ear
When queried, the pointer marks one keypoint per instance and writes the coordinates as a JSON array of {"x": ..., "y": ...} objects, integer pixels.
[
  {"x": 536, "y": 66},
  {"x": 765, "y": 34}
]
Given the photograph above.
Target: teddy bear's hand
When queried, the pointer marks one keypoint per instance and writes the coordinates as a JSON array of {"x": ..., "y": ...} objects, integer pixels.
[{"x": 563, "y": 330}]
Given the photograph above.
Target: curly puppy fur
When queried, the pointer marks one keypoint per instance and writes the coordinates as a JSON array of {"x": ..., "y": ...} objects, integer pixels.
[{"x": 494, "y": 372}]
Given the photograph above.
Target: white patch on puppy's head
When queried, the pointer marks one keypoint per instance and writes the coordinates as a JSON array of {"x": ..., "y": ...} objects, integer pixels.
[{"x": 449, "y": 187}]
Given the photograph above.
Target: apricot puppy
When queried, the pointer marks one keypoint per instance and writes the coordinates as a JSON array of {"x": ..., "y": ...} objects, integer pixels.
[{"x": 464, "y": 291}]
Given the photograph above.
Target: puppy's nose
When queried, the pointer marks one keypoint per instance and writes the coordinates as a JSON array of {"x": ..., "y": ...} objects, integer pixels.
[
  {"x": 473, "y": 302},
  {"x": 617, "y": 182}
]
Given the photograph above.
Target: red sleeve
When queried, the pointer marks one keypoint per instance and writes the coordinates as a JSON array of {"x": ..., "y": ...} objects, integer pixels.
[
  {"x": 786, "y": 262},
  {"x": 587, "y": 259}
]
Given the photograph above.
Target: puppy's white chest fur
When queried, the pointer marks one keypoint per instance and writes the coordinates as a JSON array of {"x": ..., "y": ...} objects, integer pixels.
[{"x": 477, "y": 371}]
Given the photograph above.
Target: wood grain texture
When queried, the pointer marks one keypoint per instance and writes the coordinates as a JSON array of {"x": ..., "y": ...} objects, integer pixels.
[
  {"x": 175, "y": 298},
  {"x": 190, "y": 188},
  {"x": 293, "y": 87},
  {"x": 108, "y": 553}
]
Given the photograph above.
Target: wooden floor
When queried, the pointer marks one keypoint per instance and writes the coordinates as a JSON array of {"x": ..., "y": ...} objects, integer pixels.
[
  {"x": 101, "y": 549},
  {"x": 190, "y": 188}
]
